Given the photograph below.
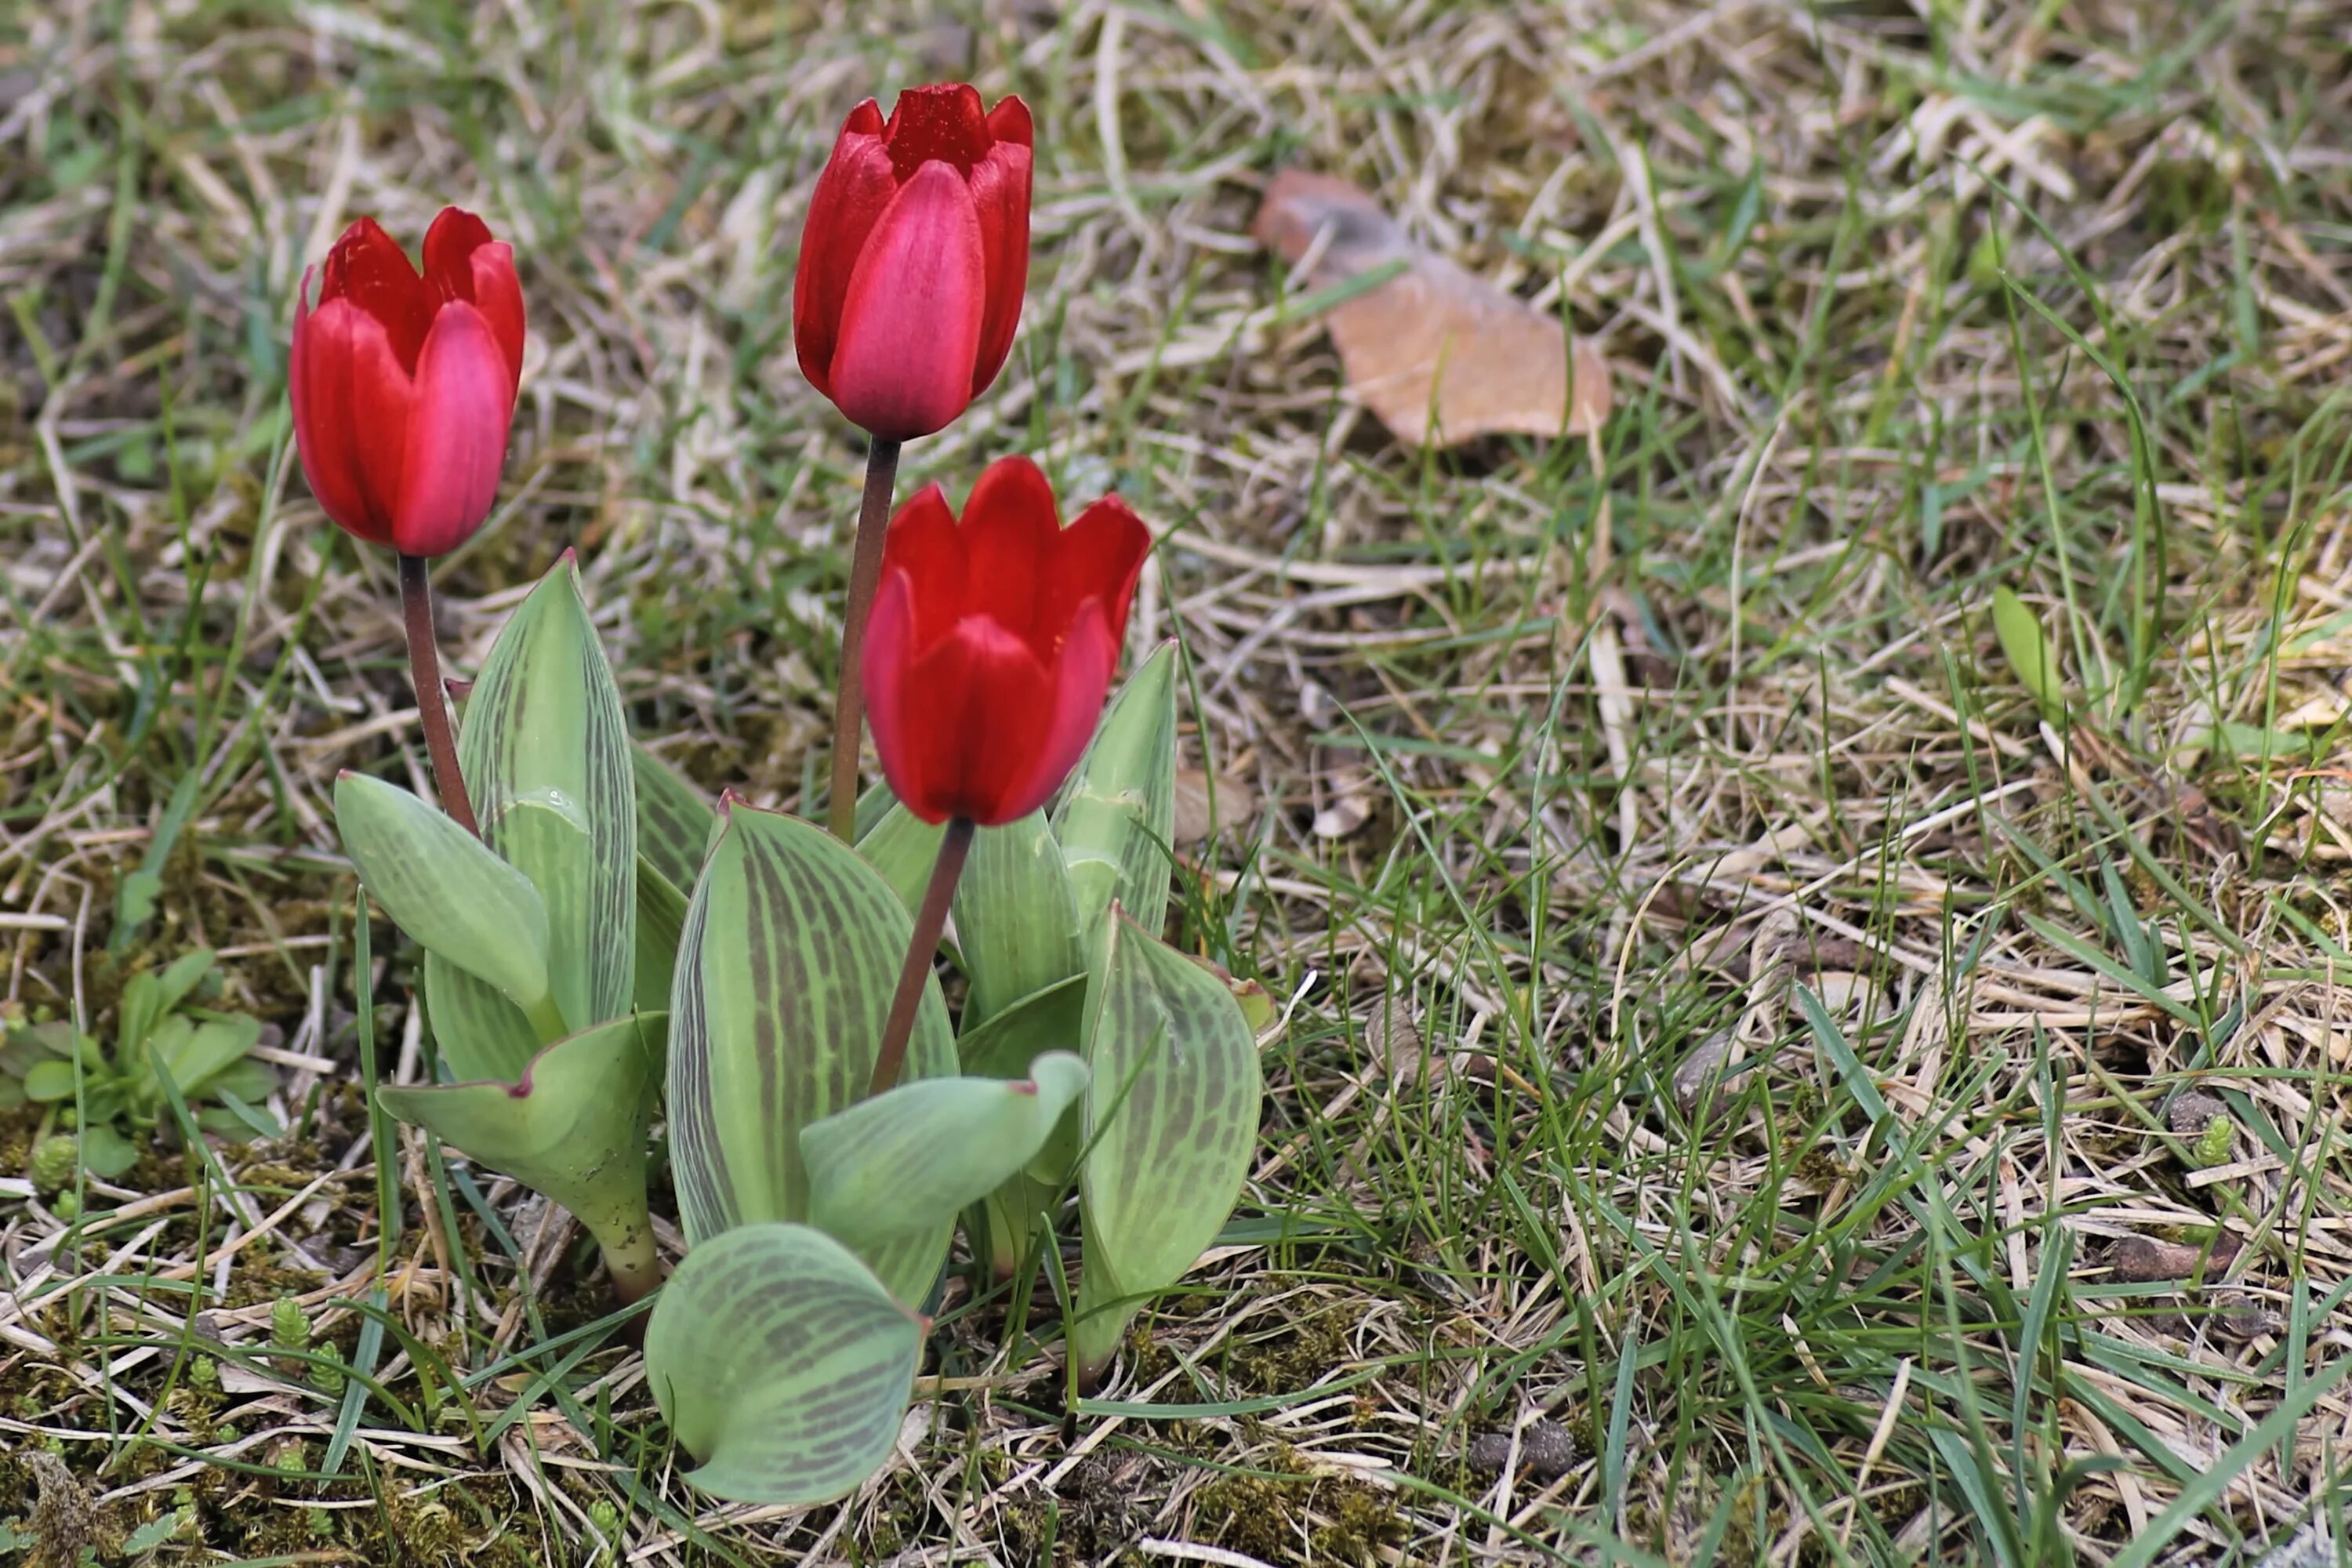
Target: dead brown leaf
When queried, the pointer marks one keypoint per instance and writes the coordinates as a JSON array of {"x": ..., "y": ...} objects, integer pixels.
[
  {"x": 1439, "y": 355},
  {"x": 1234, "y": 801}
]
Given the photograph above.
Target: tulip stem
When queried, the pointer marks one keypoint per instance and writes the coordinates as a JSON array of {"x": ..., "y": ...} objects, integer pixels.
[
  {"x": 930, "y": 921},
  {"x": 432, "y": 702},
  {"x": 864, "y": 577}
]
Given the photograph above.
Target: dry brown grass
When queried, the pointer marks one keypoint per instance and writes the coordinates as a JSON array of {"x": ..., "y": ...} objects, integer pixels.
[{"x": 1579, "y": 767}]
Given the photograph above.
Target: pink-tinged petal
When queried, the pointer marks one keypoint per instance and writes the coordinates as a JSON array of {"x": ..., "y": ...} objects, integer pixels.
[
  {"x": 885, "y": 664},
  {"x": 457, "y": 436},
  {"x": 449, "y": 247},
  {"x": 910, "y": 323},
  {"x": 356, "y": 399},
  {"x": 1081, "y": 677},
  {"x": 1100, "y": 556},
  {"x": 999, "y": 195},
  {"x": 984, "y": 705},
  {"x": 942, "y": 122},
  {"x": 498, "y": 294},
  {"x": 1010, "y": 525},
  {"x": 850, "y": 198},
  {"x": 926, "y": 547},
  {"x": 368, "y": 267}
]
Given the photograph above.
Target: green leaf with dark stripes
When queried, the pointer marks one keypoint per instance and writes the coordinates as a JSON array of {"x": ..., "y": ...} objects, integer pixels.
[
  {"x": 781, "y": 1364},
  {"x": 661, "y": 918},
  {"x": 903, "y": 847},
  {"x": 1118, "y": 815},
  {"x": 1016, "y": 925},
  {"x": 910, "y": 1159},
  {"x": 1171, "y": 1116},
  {"x": 1053, "y": 1019},
  {"x": 547, "y": 758},
  {"x": 673, "y": 819},
  {"x": 572, "y": 1126},
  {"x": 479, "y": 1033},
  {"x": 786, "y": 966},
  {"x": 443, "y": 887}
]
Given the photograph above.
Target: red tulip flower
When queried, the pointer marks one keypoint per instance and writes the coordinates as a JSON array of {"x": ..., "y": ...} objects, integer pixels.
[
  {"x": 915, "y": 258},
  {"x": 992, "y": 642},
  {"x": 403, "y": 387}
]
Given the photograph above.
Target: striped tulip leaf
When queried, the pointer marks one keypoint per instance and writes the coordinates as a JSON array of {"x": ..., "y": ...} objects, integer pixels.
[
  {"x": 902, "y": 846},
  {"x": 1016, "y": 923},
  {"x": 910, "y": 1159},
  {"x": 785, "y": 969},
  {"x": 443, "y": 887},
  {"x": 480, "y": 1034},
  {"x": 571, "y": 1126},
  {"x": 1117, "y": 816},
  {"x": 1053, "y": 1019},
  {"x": 661, "y": 919},
  {"x": 675, "y": 819},
  {"x": 782, "y": 1364},
  {"x": 547, "y": 757},
  {"x": 1172, "y": 1117}
]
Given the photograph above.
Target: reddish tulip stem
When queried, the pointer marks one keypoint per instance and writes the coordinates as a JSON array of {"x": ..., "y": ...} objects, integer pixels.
[
  {"x": 864, "y": 577},
  {"x": 432, "y": 703},
  {"x": 930, "y": 921}
]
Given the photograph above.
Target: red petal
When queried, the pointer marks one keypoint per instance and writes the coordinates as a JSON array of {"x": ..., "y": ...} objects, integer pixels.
[
  {"x": 1010, "y": 525},
  {"x": 926, "y": 546},
  {"x": 1010, "y": 121},
  {"x": 851, "y": 196},
  {"x": 356, "y": 399},
  {"x": 1081, "y": 677},
  {"x": 498, "y": 294},
  {"x": 1100, "y": 556},
  {"x": 1000, "y": 194},
  {"x": 458, "y": 437},
  {"x": 987, "y": 705},
  {"x": 370, "y": 270},
  {"x": 886, "y": 661},
  {"x": 322, "y": 436},
  {"x": 909, "y": 326},
  {"x": 449, "y": 247},
  {"x": 943, "y": 123}
]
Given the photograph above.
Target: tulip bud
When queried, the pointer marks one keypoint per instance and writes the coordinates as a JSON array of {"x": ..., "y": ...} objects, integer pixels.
[
  {"x": 992, "y": 642},
  {"x": 914, "y": 258},
  {"x": 404, "y": 385}
]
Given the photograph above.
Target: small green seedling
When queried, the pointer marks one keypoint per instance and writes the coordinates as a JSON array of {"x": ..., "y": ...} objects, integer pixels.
[{"x": 162, "y": 1027}]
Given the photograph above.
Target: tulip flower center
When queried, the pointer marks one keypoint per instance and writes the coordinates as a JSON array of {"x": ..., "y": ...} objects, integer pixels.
[{"x": 942, "y": 124}]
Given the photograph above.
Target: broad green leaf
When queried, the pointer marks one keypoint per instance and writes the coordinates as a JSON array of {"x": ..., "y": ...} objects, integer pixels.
[
  {"x": 443, "y": 887},
  {"x": 105, "y": 1152},
  {"x": 661, "y": 918},
  {"x": 1016, "y": 925},
  {"x": 210, "y": 1048},
  {"x": 1053, "y": 1019},
  {"x": 903, "y": 847},
  {"x": 1171, "y": 1111},
  {"x": 674, "y": 820},
  {"x": 909, "y": 1160},
  {"x": 547, "y": 758},
  {"x": 2028, "y": 651},
  {"x": 49, "y": 1080},
  {"x": 785, "y": 971},
  {"x": 147, "y": 999},
  {"x": 571, "y": 1127},
  {"x": 1118, "y": 815},
  {"x": 781, "y": 1364},
  {"x": 480, "y": 1034}
]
